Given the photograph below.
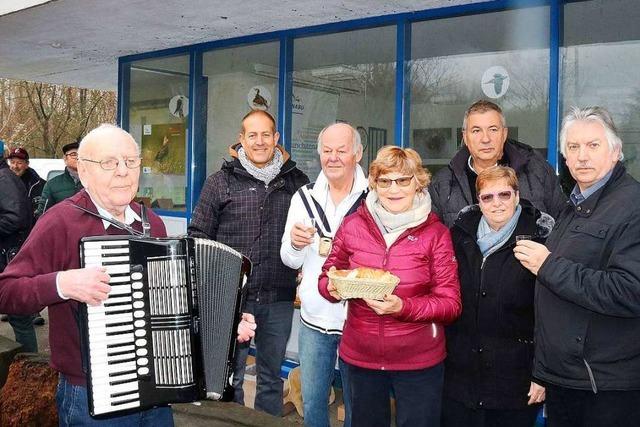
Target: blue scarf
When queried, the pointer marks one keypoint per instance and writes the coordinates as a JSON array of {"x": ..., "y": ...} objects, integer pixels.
[{"x": 489, "y": 240}]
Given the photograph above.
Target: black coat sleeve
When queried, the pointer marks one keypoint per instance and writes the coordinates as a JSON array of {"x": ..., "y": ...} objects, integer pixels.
[{"x": 15, "y": 210}]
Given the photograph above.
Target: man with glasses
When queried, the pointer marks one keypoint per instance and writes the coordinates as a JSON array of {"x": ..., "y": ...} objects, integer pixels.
[
  {"x": 484, "y": 132},
  {"x": 46, "y": 271},
  {"x": 65, "y": 185},
  {"x": 244, "y": 205}
]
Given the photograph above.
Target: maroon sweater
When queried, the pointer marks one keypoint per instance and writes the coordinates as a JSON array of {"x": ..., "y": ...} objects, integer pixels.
[{"x": 28, "y": 284}]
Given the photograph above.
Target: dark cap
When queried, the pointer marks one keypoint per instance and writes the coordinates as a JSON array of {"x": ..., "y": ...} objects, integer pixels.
[
  {"x": 18, "y": 153},
  {"x": 69, "y": 147}
]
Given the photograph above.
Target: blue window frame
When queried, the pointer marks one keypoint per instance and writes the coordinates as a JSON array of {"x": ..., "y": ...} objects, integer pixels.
[{"x": 196, "y": 143}]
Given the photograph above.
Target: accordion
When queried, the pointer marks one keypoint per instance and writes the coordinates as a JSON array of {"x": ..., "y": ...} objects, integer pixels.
[{"x": 167, "y": 331}]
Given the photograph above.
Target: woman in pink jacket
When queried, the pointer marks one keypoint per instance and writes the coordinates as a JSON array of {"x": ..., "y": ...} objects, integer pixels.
[{"x": 396, "y": 345}]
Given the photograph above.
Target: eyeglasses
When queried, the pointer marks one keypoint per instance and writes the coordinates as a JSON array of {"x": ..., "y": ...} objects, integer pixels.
[
  {"x": 73, "y": 155},
  {"x": 111, "y": 164},
  {"x": 501, "y": 195},
  {"x": 403, "y": 181}
]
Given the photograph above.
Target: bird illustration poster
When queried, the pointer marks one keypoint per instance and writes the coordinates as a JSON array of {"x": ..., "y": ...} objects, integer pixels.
[
  {"x": 163, "y": 150},
  {"x": 259, "y": 98},
  {"x": 495, "y": 82},
  {"x": 179, "y": 106}
]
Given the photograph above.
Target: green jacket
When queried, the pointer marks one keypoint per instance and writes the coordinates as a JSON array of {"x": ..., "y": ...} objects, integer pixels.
[{"x": 56, "y": 190}]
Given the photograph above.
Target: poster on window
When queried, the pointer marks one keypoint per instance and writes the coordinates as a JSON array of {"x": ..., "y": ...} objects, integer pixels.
[
  {"x": 163, "y": 149},
  {"x": 312, "y": 110}
]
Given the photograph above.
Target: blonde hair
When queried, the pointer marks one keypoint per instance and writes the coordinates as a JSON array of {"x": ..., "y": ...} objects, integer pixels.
[
  {"x": 395, "y": 159},
  {"x": 496, "y": 173}
]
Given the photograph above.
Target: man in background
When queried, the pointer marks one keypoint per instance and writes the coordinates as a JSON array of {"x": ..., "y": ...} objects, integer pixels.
[
  {"x": 484, "y": 132},
  {"x": 15, "y": 223},
  {"x": 62, "y": 186}
]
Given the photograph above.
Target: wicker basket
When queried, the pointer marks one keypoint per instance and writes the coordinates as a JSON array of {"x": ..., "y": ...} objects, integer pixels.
[{"x": 356, "y": 287}]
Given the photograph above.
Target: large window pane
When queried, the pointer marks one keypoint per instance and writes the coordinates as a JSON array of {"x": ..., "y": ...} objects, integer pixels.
[
  {"x": 347, "y": 77},
  {"x": 600, "y": 56},
  {"x": 158, "y": 110},
  {"x": 500, "y": 56},
  {"x": 238, "y": 79}
]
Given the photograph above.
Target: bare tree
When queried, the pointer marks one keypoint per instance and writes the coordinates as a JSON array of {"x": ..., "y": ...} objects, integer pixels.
[{"x": 42, "y": 117}]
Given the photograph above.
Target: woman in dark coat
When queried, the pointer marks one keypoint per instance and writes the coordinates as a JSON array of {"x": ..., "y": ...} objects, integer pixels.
[{"x": 490, "y": 347}]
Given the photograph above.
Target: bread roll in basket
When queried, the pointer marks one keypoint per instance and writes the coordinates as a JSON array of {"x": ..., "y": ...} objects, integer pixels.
[{"x": 363, "y": 282}]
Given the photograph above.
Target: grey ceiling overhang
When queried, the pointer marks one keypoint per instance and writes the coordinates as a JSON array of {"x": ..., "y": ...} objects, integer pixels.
[{"x": 78, "y": 42}]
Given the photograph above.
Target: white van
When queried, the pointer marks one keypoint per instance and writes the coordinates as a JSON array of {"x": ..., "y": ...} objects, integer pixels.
[{"x": 47, "y": 168}]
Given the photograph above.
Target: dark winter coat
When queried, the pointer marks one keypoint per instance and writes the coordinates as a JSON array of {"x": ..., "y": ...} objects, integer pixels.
[
  {"x": 422, "y": 257},
  {"x": 15, "y": 213},
  {"x": 588, "y": 292},
  {"x": 538, "y": 182},
  {"x": 34, "y": 185},
  {"x": 56, "y": 190},
  {"x": 490, "y": 347},
  {"x": 240, "y": 211}
]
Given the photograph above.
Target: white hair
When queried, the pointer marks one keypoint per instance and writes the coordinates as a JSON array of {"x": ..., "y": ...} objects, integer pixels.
[
  {"x": 105, "y": 128},
  {"x": 594, "y": 115},
  {"x": 357, "y": 141}
]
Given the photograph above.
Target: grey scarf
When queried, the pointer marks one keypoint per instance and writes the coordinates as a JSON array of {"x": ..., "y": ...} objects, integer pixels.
[{"x": 268, "y": 172}]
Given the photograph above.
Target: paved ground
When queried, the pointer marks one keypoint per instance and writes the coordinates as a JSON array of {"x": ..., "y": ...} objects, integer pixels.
[{"x": 208, "y": 413}]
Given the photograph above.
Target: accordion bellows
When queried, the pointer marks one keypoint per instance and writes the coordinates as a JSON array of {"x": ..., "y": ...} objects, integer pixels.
[{"x": 363, "y": 282}]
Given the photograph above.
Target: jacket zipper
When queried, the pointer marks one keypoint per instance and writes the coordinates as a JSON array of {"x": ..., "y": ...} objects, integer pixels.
[{"x": 592, "y": 379}]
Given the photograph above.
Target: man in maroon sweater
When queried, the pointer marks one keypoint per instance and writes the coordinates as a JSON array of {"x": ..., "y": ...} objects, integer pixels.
[{"x": 46, "y": 272}]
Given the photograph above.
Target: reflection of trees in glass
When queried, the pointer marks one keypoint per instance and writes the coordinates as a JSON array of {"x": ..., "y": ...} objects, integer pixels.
[{"x": 433, "y": 81}]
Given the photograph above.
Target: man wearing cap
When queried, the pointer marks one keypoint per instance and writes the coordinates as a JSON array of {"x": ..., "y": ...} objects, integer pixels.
[
  {"x": 19, "y": 164},
  {"x": 62, "y": 186}
]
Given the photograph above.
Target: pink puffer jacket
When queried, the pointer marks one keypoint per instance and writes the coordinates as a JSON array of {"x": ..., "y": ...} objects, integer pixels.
[{"x": 423, "y": 258}]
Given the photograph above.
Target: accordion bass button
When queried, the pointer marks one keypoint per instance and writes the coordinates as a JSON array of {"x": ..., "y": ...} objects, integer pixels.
[
  {"x": 141, "y": 342},
  {"x": 140, "y": 333},
  {"x": 138, "y": 304},
  {"x": 143, "y": 371},
  {"x": 138, "y": 314},
  {"x": 136, "y": 276},
  {"x": 138, "y": 295},
  {"x": 139, "y": 323},
  {"x": 143, "y": 361},
  {"x": 136, "y": 285},
  {"x": 141, "y": 352}
]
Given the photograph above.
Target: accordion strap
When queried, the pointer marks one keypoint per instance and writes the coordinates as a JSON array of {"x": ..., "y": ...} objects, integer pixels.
[{"x": 116, "y": 223}]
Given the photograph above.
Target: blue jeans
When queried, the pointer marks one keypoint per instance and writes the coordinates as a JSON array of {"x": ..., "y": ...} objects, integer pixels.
[
  {"x": 24, "y": 332},
  {"x": 418, "y": 396},
  {"x": 272, "y": 333},
  {"x": 318, "y": 353},
  {"x": 73, "y": 410}
]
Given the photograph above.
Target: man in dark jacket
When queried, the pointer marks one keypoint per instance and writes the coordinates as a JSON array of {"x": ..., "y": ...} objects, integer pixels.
[
  {"x": 587, "y": 297},
  {"x": 484, "y": 132},
  {"x": 15, "y": 223},
  {"x": 62, "y": 186},
  {"x": 245, "y": 205},
  {"x": 19, "y": 164}
]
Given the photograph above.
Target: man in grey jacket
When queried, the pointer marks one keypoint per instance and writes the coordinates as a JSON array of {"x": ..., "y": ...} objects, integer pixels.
[{"x": 484, "y": 132}]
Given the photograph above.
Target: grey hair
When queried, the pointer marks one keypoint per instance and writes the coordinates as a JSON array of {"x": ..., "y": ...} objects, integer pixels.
[
  {"x": 480, "y": 107},
  {"x": 357, "y": 141},
  {"x": 593, "y": 114}
]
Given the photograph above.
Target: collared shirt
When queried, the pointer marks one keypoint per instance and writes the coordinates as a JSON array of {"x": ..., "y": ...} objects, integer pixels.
[
  {"x": 129, "y": 215},
  {"x": 578, "y": 196}
]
